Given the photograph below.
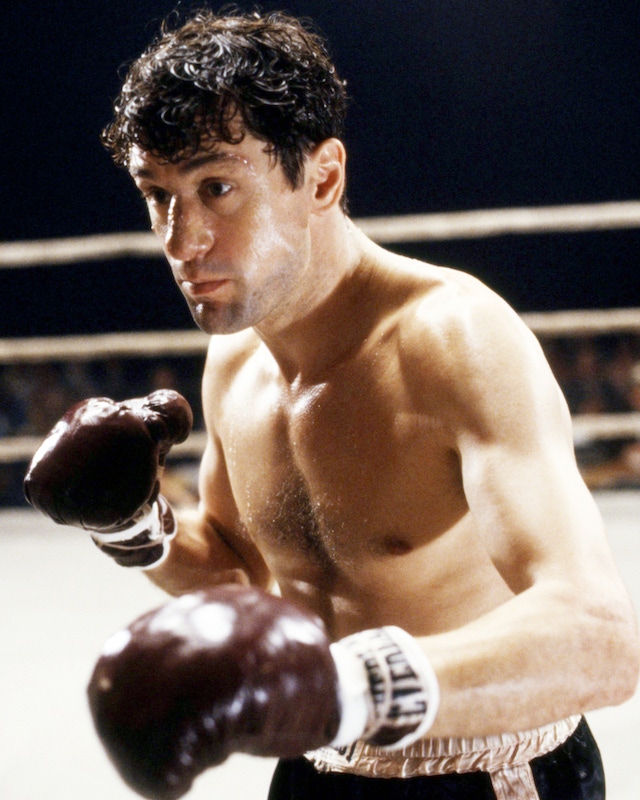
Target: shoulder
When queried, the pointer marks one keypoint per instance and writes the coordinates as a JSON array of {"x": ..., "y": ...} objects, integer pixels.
[
  {"x": 453, "y": 316},
  {"x": 463, "y": 346},
  {"x": 464, "y": 320}
]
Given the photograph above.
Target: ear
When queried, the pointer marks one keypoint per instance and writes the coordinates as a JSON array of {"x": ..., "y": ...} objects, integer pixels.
[{"x": 326, "y": 174}]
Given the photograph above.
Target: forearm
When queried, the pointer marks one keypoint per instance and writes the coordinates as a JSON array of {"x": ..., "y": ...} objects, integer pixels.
[
  {"x": 201, "y": 557},
  {"x": 540, "y": 657}
]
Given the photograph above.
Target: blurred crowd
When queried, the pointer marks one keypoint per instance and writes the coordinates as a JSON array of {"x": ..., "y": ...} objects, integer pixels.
[
  {"x": 597, "y": 375},
  {"x": 601, "y": 375}
]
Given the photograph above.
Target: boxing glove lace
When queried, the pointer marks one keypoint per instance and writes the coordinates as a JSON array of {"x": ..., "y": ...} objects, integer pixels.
[
  {"x": 234, "y": 669},
  {"x": 99, "y": 468}
]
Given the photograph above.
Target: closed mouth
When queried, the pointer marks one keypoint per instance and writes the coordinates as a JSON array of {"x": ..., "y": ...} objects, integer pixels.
[{"x": 203, "y": 288}]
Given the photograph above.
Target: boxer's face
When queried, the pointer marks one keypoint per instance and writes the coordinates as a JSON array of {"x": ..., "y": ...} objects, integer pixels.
[{"x": 233, "y": 230}]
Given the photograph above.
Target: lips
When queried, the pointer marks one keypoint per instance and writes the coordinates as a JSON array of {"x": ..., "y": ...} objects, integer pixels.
[{"x": 203, "y": 288}]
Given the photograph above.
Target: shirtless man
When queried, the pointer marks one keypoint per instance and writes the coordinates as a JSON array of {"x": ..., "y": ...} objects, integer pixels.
[{"x": 387, "y": 448}]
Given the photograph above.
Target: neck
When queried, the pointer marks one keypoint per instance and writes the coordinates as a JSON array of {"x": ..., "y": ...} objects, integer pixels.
[{"x": 327, "y": 317}]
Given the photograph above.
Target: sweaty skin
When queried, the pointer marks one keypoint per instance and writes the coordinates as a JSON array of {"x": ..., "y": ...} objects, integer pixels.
[{"x": 387, "y": 444}]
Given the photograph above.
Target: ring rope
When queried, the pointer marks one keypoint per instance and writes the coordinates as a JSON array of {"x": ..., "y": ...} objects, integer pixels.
[
  {"x": 36, "y": 349},
  {"x": 14, "y": 449},
  {"x": 502, "y": 221},
  {"x": 385, "y": 230},
  {"x": 591, "y": 427},
  {"x": 194, "y": 342},
  {"x": 583, "y": 322}
]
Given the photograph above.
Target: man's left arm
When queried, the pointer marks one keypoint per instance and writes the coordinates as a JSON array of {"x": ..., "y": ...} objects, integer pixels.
[{"x": 567, "y": 641}]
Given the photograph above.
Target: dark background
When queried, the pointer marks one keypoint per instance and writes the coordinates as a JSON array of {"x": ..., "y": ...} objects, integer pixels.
[{"x": 456, "y": 104}]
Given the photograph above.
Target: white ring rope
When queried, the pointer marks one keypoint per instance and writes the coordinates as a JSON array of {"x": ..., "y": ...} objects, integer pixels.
[
  {"x": 591, "y": 322},
  {"x": 385, "y": 230},
  {"x": 194, "y": 342},
  {"x": 34, "y": 350},
  {"x": 14, "y": 449},
  {"x": 103, "y": 247},
  {"x": 502, "y": 221}
]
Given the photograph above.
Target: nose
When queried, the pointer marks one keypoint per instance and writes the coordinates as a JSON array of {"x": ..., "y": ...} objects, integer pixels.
[{"x": 188, "y": 234}]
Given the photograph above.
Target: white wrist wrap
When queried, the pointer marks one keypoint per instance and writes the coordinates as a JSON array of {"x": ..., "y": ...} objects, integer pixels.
[
  {"x": 150, "y": 523},
  {"x": 153, "y": 524},
  {"x": 389, "y": 693},
  {"x": 166, "y": 546}
]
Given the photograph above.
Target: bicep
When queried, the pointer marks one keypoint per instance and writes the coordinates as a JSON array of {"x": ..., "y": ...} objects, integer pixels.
[
  {"x": 532, "y": 510},
  {"x": 523, "y": 487}
]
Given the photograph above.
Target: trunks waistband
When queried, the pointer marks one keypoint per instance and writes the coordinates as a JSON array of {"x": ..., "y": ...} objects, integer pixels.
[{"x": 493, "y": 754}]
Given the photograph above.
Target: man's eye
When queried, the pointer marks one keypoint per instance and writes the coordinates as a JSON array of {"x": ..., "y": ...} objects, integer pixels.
[
  {"x": 156, "y": 196},
  {"x": 218, "y": 188}
]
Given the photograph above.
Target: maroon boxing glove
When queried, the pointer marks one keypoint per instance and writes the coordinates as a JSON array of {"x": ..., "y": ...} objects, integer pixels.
[
  {"x": 234, "y": 669},
  {"x": 98, "y": 469}
]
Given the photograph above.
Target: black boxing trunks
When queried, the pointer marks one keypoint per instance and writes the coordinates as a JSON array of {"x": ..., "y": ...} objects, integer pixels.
[{"x": 556, "y": 762}]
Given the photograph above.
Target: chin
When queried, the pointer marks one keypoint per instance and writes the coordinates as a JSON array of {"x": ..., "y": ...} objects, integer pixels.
[{"x": 215, "y": 319}]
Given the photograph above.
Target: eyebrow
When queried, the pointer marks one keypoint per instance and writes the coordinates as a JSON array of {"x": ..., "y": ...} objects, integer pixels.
[{"x": 193, "y": 164}]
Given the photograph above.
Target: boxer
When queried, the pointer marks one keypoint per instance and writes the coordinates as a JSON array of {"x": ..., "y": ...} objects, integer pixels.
[{"x": 387, "y": 450}]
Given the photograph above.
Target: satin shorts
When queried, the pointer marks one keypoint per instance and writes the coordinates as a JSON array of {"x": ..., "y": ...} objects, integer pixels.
[{"x": 557, "y": 762}]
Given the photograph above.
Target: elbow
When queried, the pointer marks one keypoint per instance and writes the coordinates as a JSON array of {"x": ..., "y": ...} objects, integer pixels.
[
  {"x": 628, "y": 668},
  {"x": 608, "y": 649},
  {"x": 621, "y": 663},
  {"x": 628, "y": 655}
]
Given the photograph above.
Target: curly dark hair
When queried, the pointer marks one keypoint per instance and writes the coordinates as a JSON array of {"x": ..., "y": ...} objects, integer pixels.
[{"x": 272, "y": 72}]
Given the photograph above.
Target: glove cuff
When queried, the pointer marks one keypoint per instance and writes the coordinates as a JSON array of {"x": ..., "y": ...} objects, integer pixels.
[
  {"x": 144, "y": 544},
  {"x": 389, "y": 693}
]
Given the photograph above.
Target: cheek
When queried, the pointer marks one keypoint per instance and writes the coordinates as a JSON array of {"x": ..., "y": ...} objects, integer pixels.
[
  {"x": 270, "y": 234},
  {"x": 282, "y": 233},
  {"x": 250, "y": 248}
]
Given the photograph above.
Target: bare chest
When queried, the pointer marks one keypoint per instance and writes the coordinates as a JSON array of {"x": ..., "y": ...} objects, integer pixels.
[{"x": 338, "y": 473}]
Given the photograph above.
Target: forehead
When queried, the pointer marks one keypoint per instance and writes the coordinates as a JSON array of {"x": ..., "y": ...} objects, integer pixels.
[{"x": 250, "y": 155}]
